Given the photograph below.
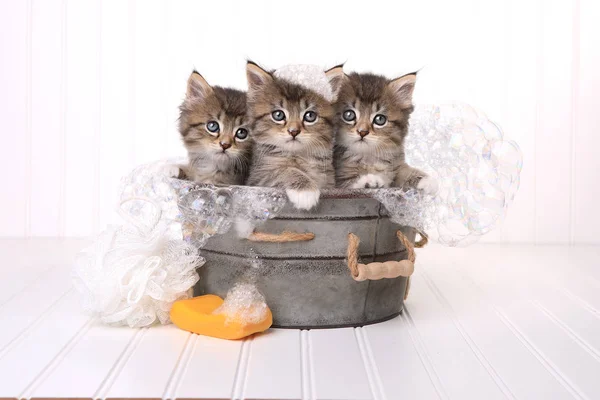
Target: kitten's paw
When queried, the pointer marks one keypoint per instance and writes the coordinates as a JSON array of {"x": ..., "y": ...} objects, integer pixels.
[
  {"x": 173, "y": 171},
  {"x": 369, "y": 181},
  {"x": 303, "y": 199},
  {"x": 429, "y": 185}
]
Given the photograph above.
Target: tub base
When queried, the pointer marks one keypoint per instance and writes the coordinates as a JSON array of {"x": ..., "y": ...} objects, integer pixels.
[{"x": 339, "y": 326}]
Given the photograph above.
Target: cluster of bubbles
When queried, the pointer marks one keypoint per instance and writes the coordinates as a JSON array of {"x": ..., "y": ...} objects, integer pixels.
[
  {"x": 476, "y": 168},
  {"x": 243, "y": 304},
  {"x": 208, "y": 210},
  {"x": 133, "y": 272},
  {"x": 193, "y": 213}
]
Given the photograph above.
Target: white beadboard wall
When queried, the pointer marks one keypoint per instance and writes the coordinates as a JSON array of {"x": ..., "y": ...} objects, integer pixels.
[{"x": 89, "y": 89}]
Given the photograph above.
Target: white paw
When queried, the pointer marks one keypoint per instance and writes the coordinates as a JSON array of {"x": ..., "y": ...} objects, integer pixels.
[
  {"x": 171, "y": 170},
  {"x": 243, "y": 228},
  {"x": 303, "y": 199},
  {"x": 369, "y": 181},
  {"x": 429, "y": 185}
]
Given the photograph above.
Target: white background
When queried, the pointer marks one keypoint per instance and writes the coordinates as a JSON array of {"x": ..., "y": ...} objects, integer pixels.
[{"x": 89, "y": 89}]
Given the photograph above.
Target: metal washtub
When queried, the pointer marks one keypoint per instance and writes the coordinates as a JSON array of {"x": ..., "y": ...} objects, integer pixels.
[{"x": 307, "y": 284}]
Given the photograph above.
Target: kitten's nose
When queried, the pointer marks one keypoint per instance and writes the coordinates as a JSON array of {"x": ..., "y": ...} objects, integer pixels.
[
  {"x": 294, "y": 131},
  {"x": 363, "y": 132},
  {"x": 225, "y": 146}
]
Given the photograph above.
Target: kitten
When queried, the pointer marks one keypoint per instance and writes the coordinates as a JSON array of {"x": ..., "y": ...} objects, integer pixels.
[
  {"x": 215, "y": 132},
  {"x": 371, "y": 124},
  {"x": 293, "y": 136}
]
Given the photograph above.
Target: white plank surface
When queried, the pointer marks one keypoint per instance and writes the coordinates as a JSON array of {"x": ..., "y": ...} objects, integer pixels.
[
  {"x": 493, "y": 337},
  {"x": 474, "y": 378},
  {"x": 82, "y": 135},
  {"x": 23, "y": 363},
  {"x": 149, "y": 109},
  {"x": 26, "y": 307},
  {"x": 414, "y": 377},
  {"x": 149, "y": 369},
  {"x": 30, "y": 261},
  {"x": 487, "y": 321},
  {"x": 553, "y": 157},
  {"x": 520, "y": 123},
  {"x": 15, "y": 83},
  {"x": 47, "y": 116},
  {"x": 116, "y": 137},
  {"x": 275, "y": 353},
  {"x": 587, "y": 121},
  {"x": 211, "y": 369},
  {"x": 97, "y": 351},
  {"x": 338, "y": 369}
]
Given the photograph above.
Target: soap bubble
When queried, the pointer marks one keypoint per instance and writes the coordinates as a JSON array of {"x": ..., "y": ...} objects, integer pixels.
[
  {"x": 477, "y": 171},
  {"x": 243, "y": 304},
  {"x": 156, "y": 182},
  {"x": 258, "y": 204}
]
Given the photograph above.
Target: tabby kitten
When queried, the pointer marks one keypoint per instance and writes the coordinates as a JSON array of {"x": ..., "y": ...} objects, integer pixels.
[
  {"x": 293, "y": 136},
  {"x": 215, "y": 132},
  {"x": 371, "y": 124}
]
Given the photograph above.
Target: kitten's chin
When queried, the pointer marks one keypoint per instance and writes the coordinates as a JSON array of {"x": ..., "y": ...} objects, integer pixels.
[
  {"x": 362, "y": 147},
  {"x": 292, "y": 145},
  {"x": 223, "y": 159}
]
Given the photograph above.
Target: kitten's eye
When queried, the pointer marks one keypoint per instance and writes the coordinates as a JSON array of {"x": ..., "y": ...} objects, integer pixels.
[
  {"x": 310, "y": 116},
  {"x": 349, "y": 115},
  {"x": 241, "y": 134},
  {"x": 379, "y": 120},
  {"x": 278, "y": 115},
  {"x": 212, "y": 126}
]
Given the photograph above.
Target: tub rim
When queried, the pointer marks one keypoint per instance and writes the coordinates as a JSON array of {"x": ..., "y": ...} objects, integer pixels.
[{"x": 329, "y": 193}]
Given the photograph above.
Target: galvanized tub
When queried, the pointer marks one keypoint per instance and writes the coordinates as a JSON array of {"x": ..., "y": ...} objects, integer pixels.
[{"x": 307, "y": 284}]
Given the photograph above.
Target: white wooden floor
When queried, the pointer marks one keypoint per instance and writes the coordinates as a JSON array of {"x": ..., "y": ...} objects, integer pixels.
[{"x": 486, "y": 322}]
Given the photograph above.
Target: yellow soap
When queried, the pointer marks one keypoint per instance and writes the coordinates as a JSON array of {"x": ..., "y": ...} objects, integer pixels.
[{"x": 196, "y": 315}]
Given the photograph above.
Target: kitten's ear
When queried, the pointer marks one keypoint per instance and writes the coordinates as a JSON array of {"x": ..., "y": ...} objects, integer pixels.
[
  {"x": 257, "y": 77},
  {"x": 336, "y": 78},
  {"x": 402, "y": 89},
  {"x": 197, "y": 87}
]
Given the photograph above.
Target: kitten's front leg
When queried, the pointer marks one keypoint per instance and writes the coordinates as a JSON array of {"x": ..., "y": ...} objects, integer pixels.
[
  {"x": 409, "y": 177},
  {"x": 301, "y": 190},
  {"x": 428, "y": 185},
  {"x": 304, "y": 199}
]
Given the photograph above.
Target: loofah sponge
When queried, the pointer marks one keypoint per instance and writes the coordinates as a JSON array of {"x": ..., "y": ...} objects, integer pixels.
[{"x": 197, "y": 315}]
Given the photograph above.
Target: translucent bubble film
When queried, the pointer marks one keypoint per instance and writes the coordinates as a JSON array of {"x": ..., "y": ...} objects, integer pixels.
[{"x": 477, "y": 171}]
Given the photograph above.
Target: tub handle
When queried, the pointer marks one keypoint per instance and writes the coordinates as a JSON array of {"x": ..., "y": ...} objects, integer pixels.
[
  {"x": 283, "y": 237},
  {"x": 379, "y": 270}
]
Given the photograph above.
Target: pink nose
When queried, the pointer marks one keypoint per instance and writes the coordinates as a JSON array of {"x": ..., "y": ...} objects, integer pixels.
[
  {"x": 363, "y": 132},
  {"x": 294, "y": 131},
  {"x": 225, "y": 146}
]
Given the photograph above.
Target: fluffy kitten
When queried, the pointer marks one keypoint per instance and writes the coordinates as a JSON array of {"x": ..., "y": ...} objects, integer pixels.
[
  {"x": 372, "y": 115},
  {"x": 215, "y": 132},
  {"x": 293, "y": 136}
]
